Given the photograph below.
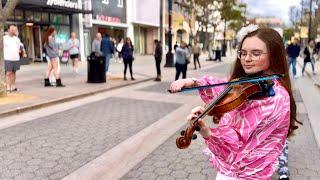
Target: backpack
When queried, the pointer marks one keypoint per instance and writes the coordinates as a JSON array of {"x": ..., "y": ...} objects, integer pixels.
[{"x": 65, "y": 57}]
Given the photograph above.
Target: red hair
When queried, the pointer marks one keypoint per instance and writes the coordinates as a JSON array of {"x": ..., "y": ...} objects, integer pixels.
[{"x": 49, "y": 32}]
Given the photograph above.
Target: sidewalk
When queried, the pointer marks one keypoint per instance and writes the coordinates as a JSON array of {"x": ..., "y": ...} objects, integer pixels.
[
  {"x": 308, "y": 71},
  {"x": 33, "y": 95}
]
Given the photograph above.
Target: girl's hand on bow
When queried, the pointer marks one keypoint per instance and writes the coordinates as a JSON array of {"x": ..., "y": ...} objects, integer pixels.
[
  {"x": 195, "y": 112},
  {"x": 177, "y": 85}
]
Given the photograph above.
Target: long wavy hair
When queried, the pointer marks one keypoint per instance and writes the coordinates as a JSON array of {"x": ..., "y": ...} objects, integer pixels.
[
  {"x": 278, "y": 65},
  {"x": 49, "y": 33}
]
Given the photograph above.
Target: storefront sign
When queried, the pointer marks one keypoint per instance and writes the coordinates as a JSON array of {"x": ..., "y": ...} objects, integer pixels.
[
  {"x": 63, "y": 3},
  {"x": 108, "y": 19},
  {"x": 87, "y": 17}
]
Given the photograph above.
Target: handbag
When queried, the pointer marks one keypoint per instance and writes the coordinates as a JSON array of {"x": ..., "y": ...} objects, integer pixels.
[{"x": 65, "y": 57}]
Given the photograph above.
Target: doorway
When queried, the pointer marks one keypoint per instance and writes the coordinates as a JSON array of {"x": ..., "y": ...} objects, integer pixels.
[{"x": 37, "y": 43}]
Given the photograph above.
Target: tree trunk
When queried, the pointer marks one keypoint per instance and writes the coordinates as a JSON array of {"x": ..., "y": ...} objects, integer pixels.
[{"x": 3, "y": 88}]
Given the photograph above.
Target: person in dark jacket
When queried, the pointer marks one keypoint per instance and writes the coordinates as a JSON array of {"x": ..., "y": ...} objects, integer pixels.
[
  {"x": 309, "y": 52},
  {"x": 107, "y": 49},
  {"x": 293, "y": 51},
  {"x": 158, "y": 58},
  {"x": 127, "y": 55}
]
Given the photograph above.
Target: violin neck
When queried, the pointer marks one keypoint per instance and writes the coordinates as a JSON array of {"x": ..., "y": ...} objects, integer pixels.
[{"x": 213, "y": 103}]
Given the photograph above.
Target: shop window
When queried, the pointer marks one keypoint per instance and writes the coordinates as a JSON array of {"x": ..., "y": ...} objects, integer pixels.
[
  {"x": 56, "y": 18},
  {"x": 18, "y": 15},
  {"x": 37, "y": 16},
  {"x": 63, "y": 34},
  {"x": 120, "y": 3},
  {"x": 105, "y": 2},
  {"x": 65, "y": 19},
  {"x": 29, "y": 15},
  {"x": 45, "y": 17},
  {"x": 11, "y": 17}
]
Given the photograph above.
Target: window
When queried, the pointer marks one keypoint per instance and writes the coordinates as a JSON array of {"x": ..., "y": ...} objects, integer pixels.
[
  {"x": 120, "y": 3},
  {"x": 105, "y": 2},
  {"x": 29, "y": 16},
  {"x": 18, "y": 15}
]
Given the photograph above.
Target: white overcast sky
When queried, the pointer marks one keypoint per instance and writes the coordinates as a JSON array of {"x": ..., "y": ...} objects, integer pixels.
[{"x": 277, "y": 8}]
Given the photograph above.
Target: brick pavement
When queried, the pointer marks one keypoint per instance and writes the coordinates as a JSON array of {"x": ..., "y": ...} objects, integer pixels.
[{"x": 56, "y": 145}]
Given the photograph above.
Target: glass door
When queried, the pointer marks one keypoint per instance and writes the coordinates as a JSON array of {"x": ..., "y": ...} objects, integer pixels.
[{"x": 87, "y": 43}]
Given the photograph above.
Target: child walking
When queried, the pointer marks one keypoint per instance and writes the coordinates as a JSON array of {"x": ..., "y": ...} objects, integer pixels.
[{"x": 248, "y": 140}]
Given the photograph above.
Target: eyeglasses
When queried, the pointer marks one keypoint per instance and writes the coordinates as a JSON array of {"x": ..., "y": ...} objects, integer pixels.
[{"x": 254, "y": 55}]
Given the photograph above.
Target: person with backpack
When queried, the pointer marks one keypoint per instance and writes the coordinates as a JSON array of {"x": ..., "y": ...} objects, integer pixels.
[
  {"x": 73, "y": 46},
  {"x": 52, "y": 50}
]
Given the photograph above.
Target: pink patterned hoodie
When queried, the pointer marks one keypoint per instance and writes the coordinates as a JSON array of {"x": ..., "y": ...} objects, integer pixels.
[{"x": 248, "y": 140}]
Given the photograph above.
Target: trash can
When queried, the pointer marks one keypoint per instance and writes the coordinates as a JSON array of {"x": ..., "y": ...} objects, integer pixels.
[{"x": 96, "y": 69}]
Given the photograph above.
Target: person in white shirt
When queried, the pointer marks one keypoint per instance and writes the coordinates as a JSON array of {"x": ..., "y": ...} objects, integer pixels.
[
  {"x": 11, "y": 49},
  {"x": 74, "y": 50}
]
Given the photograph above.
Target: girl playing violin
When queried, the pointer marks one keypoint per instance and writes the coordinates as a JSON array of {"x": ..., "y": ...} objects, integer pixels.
[{"x": 248, "y": 140}]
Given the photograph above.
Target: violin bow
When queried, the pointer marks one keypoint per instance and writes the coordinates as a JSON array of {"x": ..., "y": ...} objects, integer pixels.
[{"x": 254, "y": 79}]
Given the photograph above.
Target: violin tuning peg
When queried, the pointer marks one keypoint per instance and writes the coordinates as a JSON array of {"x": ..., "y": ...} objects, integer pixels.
[
  {"x": 182, "y": 132},
  {"x": 194, "y": 137},
  {"x": 198, "y": 128}
]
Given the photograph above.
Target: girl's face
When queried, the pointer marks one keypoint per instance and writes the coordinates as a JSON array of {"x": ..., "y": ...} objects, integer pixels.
[{"x": 254, "y": 55}]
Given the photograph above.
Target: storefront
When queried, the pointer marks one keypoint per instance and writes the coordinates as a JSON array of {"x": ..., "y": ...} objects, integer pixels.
[
  {"x": 144, "y": 37},
  {"x": 108, "y": 17},
  {"x": 34, "y": 17}
]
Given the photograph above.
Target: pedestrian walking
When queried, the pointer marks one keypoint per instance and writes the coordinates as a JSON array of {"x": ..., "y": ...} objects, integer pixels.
[
  {"x": 249, "y": 139},
  {"x": 11, "y": 50},
  {"x": 107, "y": 50},
  {"x": 127, "y": 55},
  {"x": 96, "y": 45},
  {"x": 181, "y": 65},
  {"x": 73, "y": 46},
  {"x": 293, "y": 51},
  {"x": 196, "y": 53},
  {"x": 309, "y": 53},
  {"x": 158, "y": 58},
  {"x": 52, "y": 51}
]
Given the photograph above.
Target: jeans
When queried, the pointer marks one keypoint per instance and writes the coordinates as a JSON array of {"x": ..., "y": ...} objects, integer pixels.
[
  {"x": 293, "y": 62},
  {"x": 181, "y": 68},
  {"x": 127, "y": 62},
  {"x": 195, "y": 60},
  {"x": 108, "y": 57},
  {"x": 158, "y": 63},
  {"x": 283, "y": 168},
  {"x": 304, "y": 66}
]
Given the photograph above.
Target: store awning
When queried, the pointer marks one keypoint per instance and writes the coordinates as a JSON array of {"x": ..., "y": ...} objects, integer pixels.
[{"x": 41, "y": 6}]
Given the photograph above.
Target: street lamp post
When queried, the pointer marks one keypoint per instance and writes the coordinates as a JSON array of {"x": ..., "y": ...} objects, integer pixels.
[
  {"x": 310, "y": 16},
  {"x": 169, "y": 55}
]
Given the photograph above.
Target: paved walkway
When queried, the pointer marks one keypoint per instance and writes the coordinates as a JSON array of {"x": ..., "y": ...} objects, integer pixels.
[{"x": 34, "y": 95}]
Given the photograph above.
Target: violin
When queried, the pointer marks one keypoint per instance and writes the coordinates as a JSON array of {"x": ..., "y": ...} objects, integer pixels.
[{"x": 233, "y": 96}]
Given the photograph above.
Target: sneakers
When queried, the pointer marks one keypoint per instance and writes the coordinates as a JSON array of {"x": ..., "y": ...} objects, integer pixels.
[{"x": 283, "y": 177}]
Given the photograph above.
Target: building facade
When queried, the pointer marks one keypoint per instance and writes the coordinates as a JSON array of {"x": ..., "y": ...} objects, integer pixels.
[
  {"x": 108, "y": 17},
  {"x": 143, "y": 24},
  {"x": 34, "y": 17}
]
